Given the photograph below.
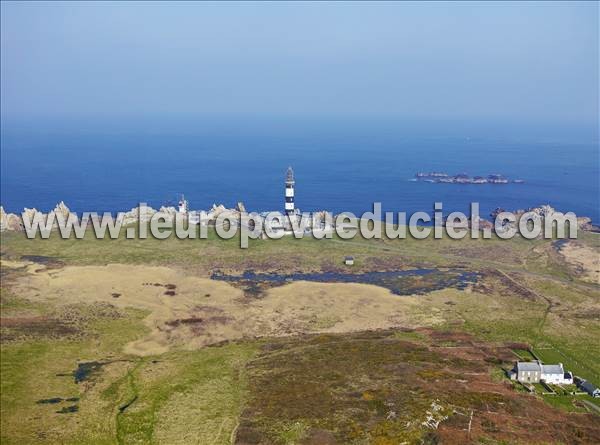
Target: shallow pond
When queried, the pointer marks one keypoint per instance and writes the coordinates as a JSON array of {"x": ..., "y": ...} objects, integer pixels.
[
  {"x": 86, "y": 369},
  {"x": 49, "y": 262},
  {"x": 399, "y": 282}
]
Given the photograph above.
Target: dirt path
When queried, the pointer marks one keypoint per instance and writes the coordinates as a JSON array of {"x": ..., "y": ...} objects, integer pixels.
[
  {"x": 549, "y": 302},
  {"x": 592, "y": 406}
]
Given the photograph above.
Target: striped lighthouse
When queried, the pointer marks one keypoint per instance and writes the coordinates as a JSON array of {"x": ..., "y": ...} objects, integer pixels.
[{"x": 289, "y": 191}]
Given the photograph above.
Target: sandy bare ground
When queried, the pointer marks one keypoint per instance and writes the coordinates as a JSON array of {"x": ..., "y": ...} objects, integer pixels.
[
  {"x": 192, "y": 312},
  {"x": 584, "y": 259}
]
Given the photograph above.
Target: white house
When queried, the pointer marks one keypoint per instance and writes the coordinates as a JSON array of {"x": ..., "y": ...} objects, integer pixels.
[
  {"x": 534, "y": 372},
  {"x": 528, "y": 372},
  {"x": 556, "y": 374}
]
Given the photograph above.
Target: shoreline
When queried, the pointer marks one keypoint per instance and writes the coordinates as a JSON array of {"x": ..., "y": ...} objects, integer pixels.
[{"x": 144, "y": 213}]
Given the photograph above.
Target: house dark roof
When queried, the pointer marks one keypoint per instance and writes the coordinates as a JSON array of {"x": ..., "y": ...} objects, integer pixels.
[{"x": 588, "y": 387}]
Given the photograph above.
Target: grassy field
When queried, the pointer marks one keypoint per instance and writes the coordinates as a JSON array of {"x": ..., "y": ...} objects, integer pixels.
[
  {"x": 128, "y": 399},
  {"x": 288, "y": 253},
  {"x": 283, "y": 358}
]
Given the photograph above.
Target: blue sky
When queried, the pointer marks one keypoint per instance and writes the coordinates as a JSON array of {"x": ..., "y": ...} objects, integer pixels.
[{"x": 524, "y": 61}]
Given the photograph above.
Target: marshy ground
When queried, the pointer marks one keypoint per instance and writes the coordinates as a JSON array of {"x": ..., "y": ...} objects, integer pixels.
[{"x": 133, "y": 342}]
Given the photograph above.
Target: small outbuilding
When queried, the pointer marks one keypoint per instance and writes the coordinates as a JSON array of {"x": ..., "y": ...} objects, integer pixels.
[{"x": 349, "y": 261}]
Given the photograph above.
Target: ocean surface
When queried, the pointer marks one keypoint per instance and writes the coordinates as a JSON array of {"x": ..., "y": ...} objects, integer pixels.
[{"x": 340, "y": 164}]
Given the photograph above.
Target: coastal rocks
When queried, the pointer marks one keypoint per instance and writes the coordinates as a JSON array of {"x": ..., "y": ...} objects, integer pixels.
[
  {"x": 62, "y": 209},
  {"x": 585, "y": 223},
  {"x": 216, "y": 210},
  {"x": 168, "y": 210},
  {"x": 481, "y": 223},
  {"x": 463, "y": 178},
  {"x": 168, "y": 213},
  {"x": 484, "y": 224},
  {"x": 142, "y": 214},
  {"x": 14, "y": 222},
  {"x": 220, "y": 210},
  {"x": 539, "y": 214},
  {"x": 30, "y": 213},
  {"x": 9, "y": 221},
  {"x": 3, "y": 219}
]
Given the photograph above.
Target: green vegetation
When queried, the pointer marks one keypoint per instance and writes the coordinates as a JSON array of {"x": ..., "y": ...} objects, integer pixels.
[
  {"x": 182, "y": 397},
  {"x": 573, "y": 403},
  {"x": 524, "y": 355},
  {"x": 38, "y": 367},
  {"x": 353, "y": 387},
  {"x": 166, "y": 399},
  {"x": 290, "y": 254}
]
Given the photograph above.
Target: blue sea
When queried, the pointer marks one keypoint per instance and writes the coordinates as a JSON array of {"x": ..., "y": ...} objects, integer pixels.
[{"x": 342, "y": 164}]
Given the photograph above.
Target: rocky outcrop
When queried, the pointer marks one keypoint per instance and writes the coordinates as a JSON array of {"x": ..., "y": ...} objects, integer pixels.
[
  {"x": 585, "y": 223},
  {"x": 14, "y": 222},
  {"x": 216, "y": 210},
  {"x": 61, "y": 209},
  {"x": 168, "y": 210},
  {"x": 3, "y": 219},
  {"x": 10, "y": 221},
  {"x": 539, "y": 214},
  {"x": 142, "y": 214}
]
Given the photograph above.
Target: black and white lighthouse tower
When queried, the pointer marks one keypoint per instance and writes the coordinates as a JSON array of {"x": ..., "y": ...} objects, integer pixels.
[{"x": 289, "y": 191}]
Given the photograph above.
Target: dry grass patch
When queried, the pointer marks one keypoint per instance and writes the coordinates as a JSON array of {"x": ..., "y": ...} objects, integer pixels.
[
  {"x": 204, "y": 311},
  {"x": 583, "y": 259}
]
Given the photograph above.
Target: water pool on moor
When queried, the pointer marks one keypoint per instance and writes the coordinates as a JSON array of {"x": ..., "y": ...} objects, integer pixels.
[{"x": 399, "y": 282}]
